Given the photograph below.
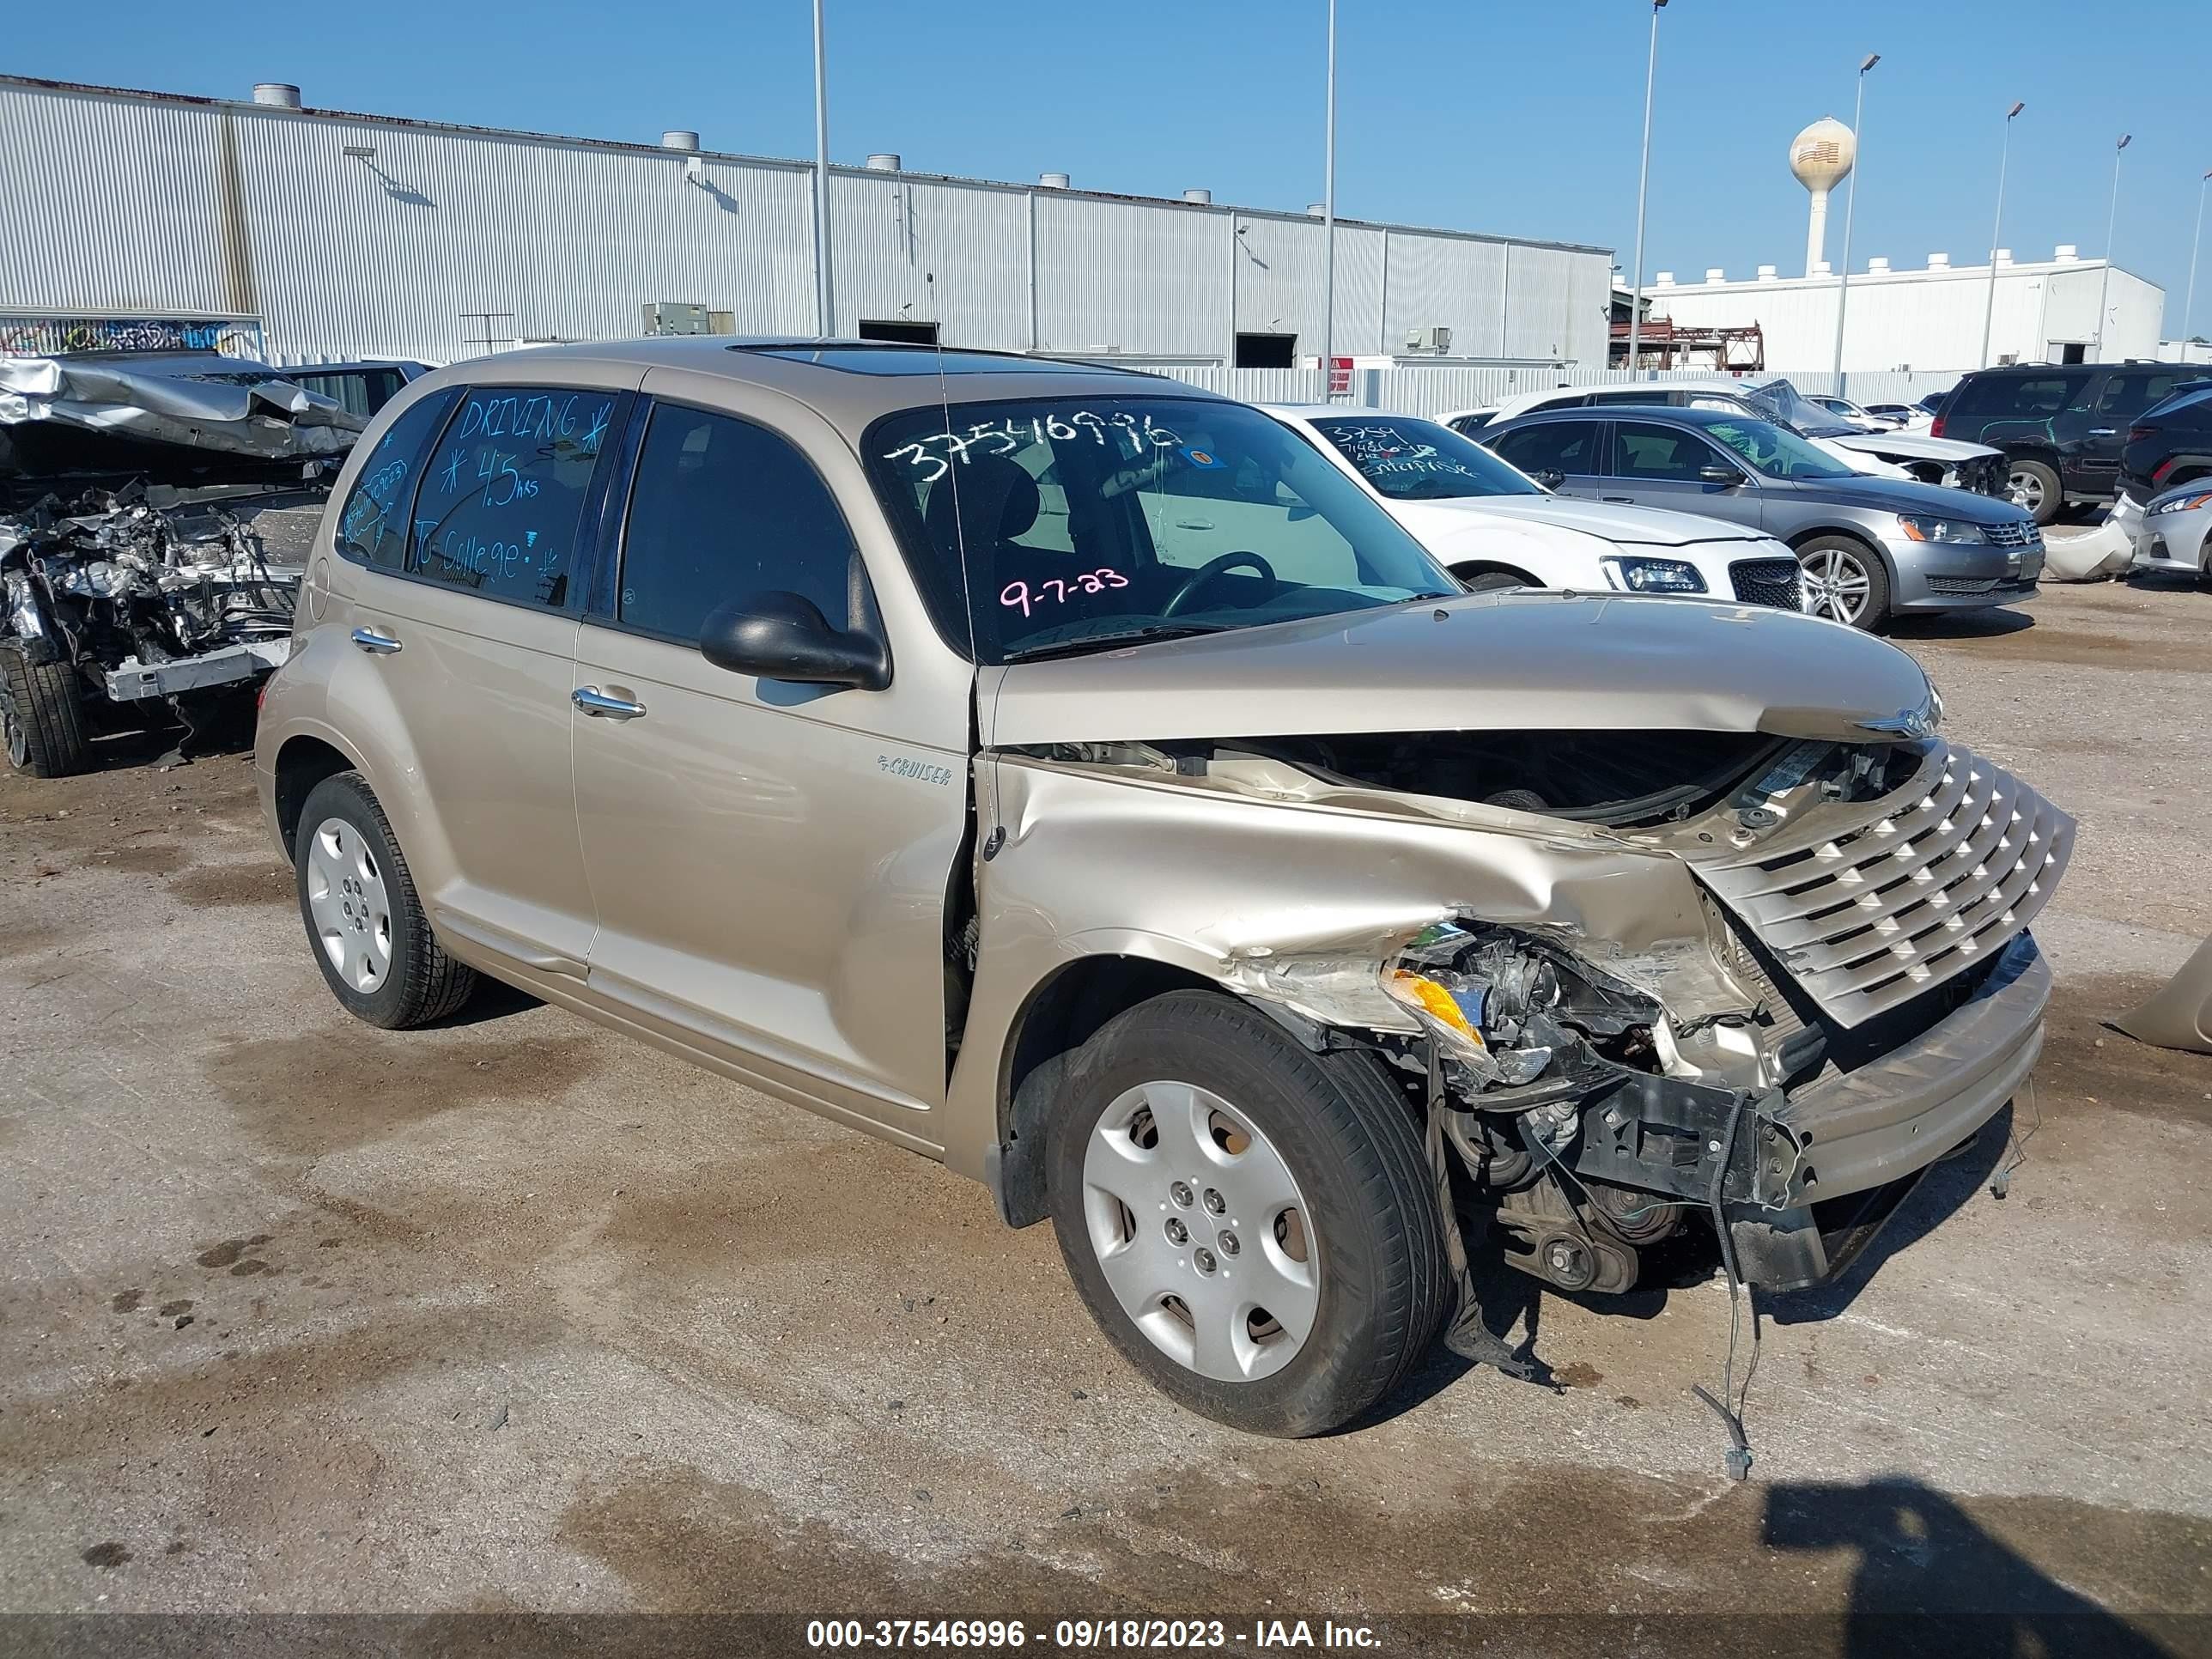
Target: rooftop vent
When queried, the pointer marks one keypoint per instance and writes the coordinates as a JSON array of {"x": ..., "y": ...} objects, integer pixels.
[
  {"x": 2004, "y": 256},
  {"x": 1878, "y": 263},
  {"x": 2068, "y": 253},
  {"x": 1053, "y": 180},
  {"x": 1769, "y": 274},
  {"x": 676, "y": 138},
  {"x": 1822, "y": 268},
  {"x": 1203, "y": 197},
  {"x": 1939, "y": 262},
  {"x": 1664, "y": 279},
  {"x": 277, "y": 94},
  {"x": 884, "y": 160},
  {"x": 1316, "y": 210},
  {"x": 1716, "y": 273}
]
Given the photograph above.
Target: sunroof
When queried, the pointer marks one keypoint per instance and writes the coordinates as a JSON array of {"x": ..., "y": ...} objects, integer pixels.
[{"x": 914, "y": 360}]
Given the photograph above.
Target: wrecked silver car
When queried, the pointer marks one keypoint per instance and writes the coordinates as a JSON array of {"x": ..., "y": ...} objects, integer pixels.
[
  {"x": 1081, "y": 780},
  {"x": 154, "y": 512}
]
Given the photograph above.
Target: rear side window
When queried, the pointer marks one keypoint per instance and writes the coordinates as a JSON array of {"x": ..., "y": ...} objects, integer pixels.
[
  {"x": 1554, "y": 447},
  {"x": 722, "y": 509},
  {"x": 502, "y": 495},
  {"x": 372, "y": 525},
  {"x": 2018, "y": 397},
  {"x": 360, "y": 392}
]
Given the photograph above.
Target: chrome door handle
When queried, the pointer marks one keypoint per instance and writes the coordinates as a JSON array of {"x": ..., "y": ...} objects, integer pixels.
[
  {"x": 376, "y": 644},
  {"x": 2104, "y": 431},
  {"x": 598, "y": 704}
]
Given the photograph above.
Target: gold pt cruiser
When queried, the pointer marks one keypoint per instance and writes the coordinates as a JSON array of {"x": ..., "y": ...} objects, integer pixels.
[{"x": 1075, "y": 777}]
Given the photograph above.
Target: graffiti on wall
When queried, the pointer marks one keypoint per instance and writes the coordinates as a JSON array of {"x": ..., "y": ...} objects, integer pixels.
[{"x": 45, "y": 336}]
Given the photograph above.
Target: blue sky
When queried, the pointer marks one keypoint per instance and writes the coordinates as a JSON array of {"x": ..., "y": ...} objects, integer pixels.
[{"x": 1514, "y": 118}]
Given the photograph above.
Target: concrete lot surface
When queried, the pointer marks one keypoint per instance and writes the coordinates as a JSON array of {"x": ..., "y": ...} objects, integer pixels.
[{"x": 514, "y": 1315}]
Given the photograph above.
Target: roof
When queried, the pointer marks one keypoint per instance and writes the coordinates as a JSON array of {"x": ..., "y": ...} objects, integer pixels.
[
  {"x": 849, "y": 382},
  {"x": 1342, "y": 411},
  {"x": 37, "y": 83},
  {"x": 1677, "y": 413}
]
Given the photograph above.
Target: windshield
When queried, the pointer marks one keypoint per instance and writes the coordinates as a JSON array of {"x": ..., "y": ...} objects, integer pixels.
[
  {"x": 1410, "y": 460},
  {"x": 1781, "y": 403},
  {"x": 1081, "y": 522},
  {"x": 1775, "y": 450}
]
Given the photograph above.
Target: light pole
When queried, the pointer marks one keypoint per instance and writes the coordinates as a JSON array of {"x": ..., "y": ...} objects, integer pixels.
[
  {"x": 1851, "y": 208},
  {"x": 2111, "y": 223},
  {"x": 1643, "y": 182},
  {"x": 1996, "y": 232},
  {"x": 2189, "y": 305},
  {"x": 1328, "y": 223},
  {"x": 823, "y": 316}
]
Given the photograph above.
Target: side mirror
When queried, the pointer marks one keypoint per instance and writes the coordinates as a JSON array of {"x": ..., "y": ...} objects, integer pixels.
[
  {"x": 783, "y": 636},
  {"x": 1551, "y": 479},
  {"x": 1720, "y": 473}
]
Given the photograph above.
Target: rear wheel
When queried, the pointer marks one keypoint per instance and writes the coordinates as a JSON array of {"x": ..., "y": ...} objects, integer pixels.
[
  {"x": 363, "y": 917},
  {"x": 1844, "y": 581},
  {"x": 41, "y": 715},
  {"x": 1251, "y": 1225},
  {"x": 2035, "y": 486}
]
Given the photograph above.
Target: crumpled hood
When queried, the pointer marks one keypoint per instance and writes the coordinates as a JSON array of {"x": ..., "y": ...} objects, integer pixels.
[
  {"x": 1647, "y": 526},
  {"x": 1507, "y": 661},
  {"x": 1918, "y": 444}
]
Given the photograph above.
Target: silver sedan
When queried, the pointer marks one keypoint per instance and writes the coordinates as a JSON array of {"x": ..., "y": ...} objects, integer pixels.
[{"x": 2175, "y": 534}]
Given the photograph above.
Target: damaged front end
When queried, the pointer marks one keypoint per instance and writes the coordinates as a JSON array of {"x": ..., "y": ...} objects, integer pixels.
[{"x": 1765, "y": 982}]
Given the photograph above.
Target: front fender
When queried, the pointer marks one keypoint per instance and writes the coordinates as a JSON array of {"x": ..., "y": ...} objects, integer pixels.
[{"x": 1105, "y": 860}]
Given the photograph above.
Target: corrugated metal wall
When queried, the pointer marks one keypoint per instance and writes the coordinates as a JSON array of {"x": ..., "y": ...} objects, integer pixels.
[{"x": 116, "y": 201}]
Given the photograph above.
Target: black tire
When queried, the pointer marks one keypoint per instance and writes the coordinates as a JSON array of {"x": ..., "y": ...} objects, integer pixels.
[
  {"x": 1492, "y": 581},
  {"x": 41, "y": 715},
  {"x": 422, "y": 983},
  {"x": 1819, "y": 553},
  {"x": 2036, "y": 486},
  {"x": 1345, "y": 1131}
]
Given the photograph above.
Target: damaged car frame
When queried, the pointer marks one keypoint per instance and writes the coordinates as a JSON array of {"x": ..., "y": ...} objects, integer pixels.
[
  {"x": 154, "y": 512},
  {"x": 1078, "y": 779}
]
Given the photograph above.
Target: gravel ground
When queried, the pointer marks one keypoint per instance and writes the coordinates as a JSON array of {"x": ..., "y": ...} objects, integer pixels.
[{"x": 517, "y": 1316}]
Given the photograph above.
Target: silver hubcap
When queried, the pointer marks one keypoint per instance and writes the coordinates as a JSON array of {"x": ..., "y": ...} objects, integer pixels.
[
  {"x": 1201, "y": 1232},
  {"x": 1835, "y": 584},
  {"x": 346, "y": 898},
  {"x": 2026, "y": 490}
]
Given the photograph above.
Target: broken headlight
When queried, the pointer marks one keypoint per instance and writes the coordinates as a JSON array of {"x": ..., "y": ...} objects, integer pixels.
[
  {"x": 1504, "y": 1004},
  {"x": 1639, "y": 576}
]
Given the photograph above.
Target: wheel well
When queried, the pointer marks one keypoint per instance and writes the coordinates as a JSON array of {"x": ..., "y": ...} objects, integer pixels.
[
  {"x": 1491, "y": 566},
  {"x": 302, "y": 763},
  {"x": 1059, "y": 1017}
]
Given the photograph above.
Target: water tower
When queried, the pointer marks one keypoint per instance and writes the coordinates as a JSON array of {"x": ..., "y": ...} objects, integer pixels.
[{"x": 1821, "y": 156}]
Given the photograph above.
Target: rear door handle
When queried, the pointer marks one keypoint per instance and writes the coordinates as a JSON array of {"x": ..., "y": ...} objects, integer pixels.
[
  {"x": 2104, "y": 431},
  {"x": 1622, "y": 500},
  {"x": 598, "y": 704},
  {"x": 376, "y": 644}
]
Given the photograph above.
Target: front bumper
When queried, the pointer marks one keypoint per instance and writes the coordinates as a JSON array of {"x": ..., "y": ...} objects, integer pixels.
[
  {"x": 1864, "y": 1139},
  {"x": 1933, "y": 576},
  {"x": 2175, "y": 544}
]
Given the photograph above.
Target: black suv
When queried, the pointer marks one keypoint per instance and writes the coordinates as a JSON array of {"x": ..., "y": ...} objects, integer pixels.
[
  {"x": 2060, "y": 426},
  {"x": 2169, "y": 445}
]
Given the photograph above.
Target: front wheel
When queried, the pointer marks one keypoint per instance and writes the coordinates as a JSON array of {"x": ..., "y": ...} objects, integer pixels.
[
  {"x": 1251, "y": 1225},
  {"x": 1843, "y": 580},
  {"x": 41, "y": 715}
]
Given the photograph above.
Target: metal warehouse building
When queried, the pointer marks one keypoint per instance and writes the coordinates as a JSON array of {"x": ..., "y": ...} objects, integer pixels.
[
  {"x": 1930, "y": 317},
  {"x": 352, "y": 236}
]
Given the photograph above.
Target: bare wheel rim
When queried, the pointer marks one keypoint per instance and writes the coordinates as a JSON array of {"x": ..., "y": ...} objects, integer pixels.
[
  {"x": 347, "y": 900},
  {"x": 2025, "y": 490},
  {"x": 1201, "y": 1232},
  {"x": 1836, "y": 584}
]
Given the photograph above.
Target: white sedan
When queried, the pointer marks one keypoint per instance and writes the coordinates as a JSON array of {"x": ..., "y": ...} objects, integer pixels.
[{"x": 1493, "y": 525}]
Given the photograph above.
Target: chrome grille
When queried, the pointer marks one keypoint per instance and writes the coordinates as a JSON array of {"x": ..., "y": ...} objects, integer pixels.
[
  {"x": 1956, "y": 863},
  {"x": 1766, "y": 581},
  {"x": 2012, "y": 532}
]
